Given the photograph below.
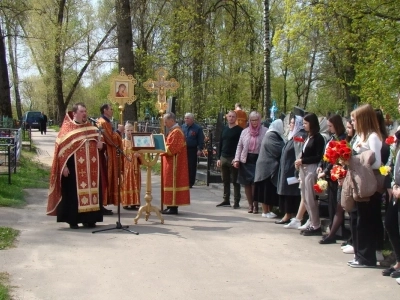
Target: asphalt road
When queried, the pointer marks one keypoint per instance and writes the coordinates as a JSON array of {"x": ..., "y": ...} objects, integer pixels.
[{"x": 203, "y": 253}]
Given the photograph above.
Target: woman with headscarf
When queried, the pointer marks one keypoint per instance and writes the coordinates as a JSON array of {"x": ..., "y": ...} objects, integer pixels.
[
  {"x": 289, "y": 195},
  {"x": 246, "y": 156},
  {"x": 267, "y": 167}
]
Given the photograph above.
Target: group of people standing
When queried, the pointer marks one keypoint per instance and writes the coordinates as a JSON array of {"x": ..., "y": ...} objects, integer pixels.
[
  {"x": 280, "y": 170},
  {"x": 95, "y": 165}
]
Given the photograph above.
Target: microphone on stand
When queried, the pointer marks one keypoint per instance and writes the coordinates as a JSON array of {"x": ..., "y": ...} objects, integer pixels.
[{"x": 92, "y": 119}]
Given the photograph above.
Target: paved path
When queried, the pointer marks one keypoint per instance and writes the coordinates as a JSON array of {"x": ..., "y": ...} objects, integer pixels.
[{"x": 203, "y": 253}]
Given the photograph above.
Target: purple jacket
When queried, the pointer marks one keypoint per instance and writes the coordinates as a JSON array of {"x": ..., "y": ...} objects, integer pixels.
[{"x": 243, "y": 146}]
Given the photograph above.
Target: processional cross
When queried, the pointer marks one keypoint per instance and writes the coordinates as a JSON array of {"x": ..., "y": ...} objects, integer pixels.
[{"x": 161, "y": 86}]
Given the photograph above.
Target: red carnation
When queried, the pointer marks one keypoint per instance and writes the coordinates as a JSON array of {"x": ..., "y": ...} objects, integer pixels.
[
  {"x": 298, "y": 139},
  {"x": 390, "y": 140},
  {"x": 317, "y": 188}
]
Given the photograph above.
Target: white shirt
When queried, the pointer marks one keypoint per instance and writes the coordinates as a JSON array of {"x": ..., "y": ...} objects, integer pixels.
[{"x": 372, "y": 143}]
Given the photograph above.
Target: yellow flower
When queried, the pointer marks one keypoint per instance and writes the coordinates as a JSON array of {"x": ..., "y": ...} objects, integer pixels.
[
  {"x": 385, "y": 170},
  {"x": 323, "y": 184},
  {"x": 325, "y": 158}
]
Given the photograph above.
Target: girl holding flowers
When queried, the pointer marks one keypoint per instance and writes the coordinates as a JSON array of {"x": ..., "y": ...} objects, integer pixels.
[
  {"x": 336, "y": 212},
  {"x": 311, "y": 155}
]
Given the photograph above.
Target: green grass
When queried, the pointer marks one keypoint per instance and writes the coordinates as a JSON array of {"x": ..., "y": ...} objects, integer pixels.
[
  {"x": 4, "y": 287},
  {"x": 7, "y": 237},
  {"x": 156, "y": 169},
  {"x": 30, "y": 174}
]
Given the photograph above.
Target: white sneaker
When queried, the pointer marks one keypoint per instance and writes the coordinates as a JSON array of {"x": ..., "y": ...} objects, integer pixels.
[
  {"x": 379, "y": 255},
  {"x": 264, "y": 215},
  {"x": 345, "y": 246},
  {"x": 305, "y": 226},
  {"x": 348, "y": 250},
  {"x": 351, "y": 261},
  {"x": 398, "y": 280},
  {"x": 294, "y": 224},
  {"x": 271, "y": 215}
]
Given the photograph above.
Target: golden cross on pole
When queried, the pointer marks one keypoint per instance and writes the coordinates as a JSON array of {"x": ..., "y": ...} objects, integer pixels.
[{"x": 161, "y": 86}]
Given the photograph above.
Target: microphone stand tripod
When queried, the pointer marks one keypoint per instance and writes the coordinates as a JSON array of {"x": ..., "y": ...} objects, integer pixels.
[{"x": 120, "y": 153}]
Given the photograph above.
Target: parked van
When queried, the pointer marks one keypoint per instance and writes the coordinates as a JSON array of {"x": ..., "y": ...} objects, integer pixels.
[{"x": 31, "y": 120}]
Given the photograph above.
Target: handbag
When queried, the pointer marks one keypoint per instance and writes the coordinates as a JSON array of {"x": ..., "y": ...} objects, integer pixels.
[
  {"x": 362, "y": 176},
  {"x": 380, "y": 181},
  {"x": 346, "y": 195}
]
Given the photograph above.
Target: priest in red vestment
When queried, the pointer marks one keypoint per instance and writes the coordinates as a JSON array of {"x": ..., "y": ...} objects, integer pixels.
[
  {"x": 108, "y": 156},
  {"x": 175, "y": 171},
  {"x": 241, "y": 116},
  {"x": 75, "y": 190}
]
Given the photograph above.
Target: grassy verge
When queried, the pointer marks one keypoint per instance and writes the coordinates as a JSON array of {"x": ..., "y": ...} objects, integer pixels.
[
  {"x": 7, "y": 237},
  {"x": 4, "y": 287},
  {"x": 30, "y": 174},
  {"x": 56, "y": 128}
]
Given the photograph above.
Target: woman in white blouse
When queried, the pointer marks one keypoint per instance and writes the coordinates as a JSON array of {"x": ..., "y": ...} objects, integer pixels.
[{"x": 368, "y": 213}]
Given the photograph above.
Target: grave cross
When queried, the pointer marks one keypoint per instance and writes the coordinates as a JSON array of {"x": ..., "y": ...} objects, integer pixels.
[{"x": 161, "y": 86}]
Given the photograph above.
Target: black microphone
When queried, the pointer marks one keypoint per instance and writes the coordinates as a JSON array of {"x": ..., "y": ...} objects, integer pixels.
[{"x": 92, "y": 119}]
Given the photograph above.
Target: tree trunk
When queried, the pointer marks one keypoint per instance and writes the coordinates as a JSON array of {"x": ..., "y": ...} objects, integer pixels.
[
  {"x": 58, "y": 69},
  {"x": 125, "y": 54},
  {"x": 14, "y": 70},
  {"x": 309, "y": 79},
  {"x": 5, "y": 98},
  {"x": 267, "y": 60},
  {"x": 198, "y": 48}
]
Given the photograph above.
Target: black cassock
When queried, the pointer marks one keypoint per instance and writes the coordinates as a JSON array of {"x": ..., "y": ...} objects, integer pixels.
[{"x": 67, "y": 210}]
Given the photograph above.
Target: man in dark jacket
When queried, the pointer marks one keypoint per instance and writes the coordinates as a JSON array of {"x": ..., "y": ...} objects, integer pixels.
[
  {"x": 43, "y": 123},
  {"x": 226, "y": 153},
  {"x": 195, "y": 143}
]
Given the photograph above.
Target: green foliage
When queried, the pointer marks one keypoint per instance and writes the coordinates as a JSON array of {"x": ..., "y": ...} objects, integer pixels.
[
  {"x": 326, "y": 55},
  {"x": 156, "y": 169},
  {"x": 30, "y": 174},
  {"x": 7, "y": 237}
]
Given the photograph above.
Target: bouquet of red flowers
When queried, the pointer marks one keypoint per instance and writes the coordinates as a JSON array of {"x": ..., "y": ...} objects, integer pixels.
[
  {"x": 338, "y": 172},
  {"x": 320, "y": 186},
  {"x": 337, "y": 152}
]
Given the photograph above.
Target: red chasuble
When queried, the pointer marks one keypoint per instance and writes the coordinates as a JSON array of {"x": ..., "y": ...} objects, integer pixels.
[
  {"x": 131, "y": 183},
  {"x": 109, "y": 162},
  {"x": 79, "y": 140},
  {"x": 175, "y": 170}
]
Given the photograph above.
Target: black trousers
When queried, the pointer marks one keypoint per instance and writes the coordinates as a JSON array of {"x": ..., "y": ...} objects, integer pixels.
[
  {"x": 369, "y": 225},
  {"x": 392, "y": 227},
  {"x": 43, "y": 127},
  {"x": 192, "y": 164},
  {"x": 332, "y": 200}
]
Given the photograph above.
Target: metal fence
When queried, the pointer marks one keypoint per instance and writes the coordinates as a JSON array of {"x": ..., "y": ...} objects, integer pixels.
[
  {"x": 148, "y": 126},
  {"x": 10, "y": 150}
]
